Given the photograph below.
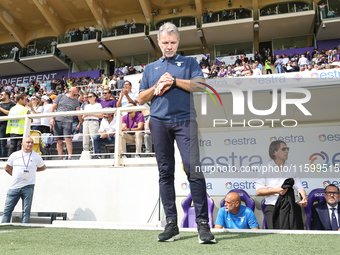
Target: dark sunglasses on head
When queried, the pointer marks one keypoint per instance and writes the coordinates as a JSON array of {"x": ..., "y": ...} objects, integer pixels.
[
  {"x": 90, "y": 96},
  {"x": 285, "y": 148}
]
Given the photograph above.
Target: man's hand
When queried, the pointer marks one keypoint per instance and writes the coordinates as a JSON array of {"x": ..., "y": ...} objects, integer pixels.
[
  {"x": 103, "y": 135},
  {"x": 125, "y": 129},
  {"x": 164, "y": 83},
  {"x": 303, "y": 202},
  {"x": 52, "y": 122},
  {"x": 281, "y": 191}
]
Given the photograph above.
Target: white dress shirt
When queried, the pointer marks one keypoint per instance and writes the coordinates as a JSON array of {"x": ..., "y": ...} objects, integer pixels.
[{"x": 270, "y": 180}]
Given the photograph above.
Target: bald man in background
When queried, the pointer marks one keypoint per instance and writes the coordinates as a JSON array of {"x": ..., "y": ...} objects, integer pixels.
[{"x": 234, "y": 215}]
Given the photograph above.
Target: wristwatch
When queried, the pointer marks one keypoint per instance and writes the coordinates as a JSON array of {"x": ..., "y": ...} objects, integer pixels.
[{"x": 174, "y": 82}]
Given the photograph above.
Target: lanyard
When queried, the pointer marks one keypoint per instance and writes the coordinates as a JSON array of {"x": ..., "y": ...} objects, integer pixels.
[{"x": 28, "y": 162}]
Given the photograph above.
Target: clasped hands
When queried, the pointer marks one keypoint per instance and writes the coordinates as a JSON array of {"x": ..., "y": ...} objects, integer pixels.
[{"x": 164, "y": 84}]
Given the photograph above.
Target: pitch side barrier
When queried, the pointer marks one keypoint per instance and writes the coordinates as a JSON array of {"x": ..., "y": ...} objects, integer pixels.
[{"x": 118, "y": 161}]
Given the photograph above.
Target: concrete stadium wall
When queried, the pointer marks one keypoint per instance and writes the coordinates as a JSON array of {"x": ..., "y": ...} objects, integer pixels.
[{"x": 125, "y": 195}]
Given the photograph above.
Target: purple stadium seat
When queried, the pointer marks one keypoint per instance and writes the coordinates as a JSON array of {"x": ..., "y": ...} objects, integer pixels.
[
  {"x": 263, "y": 206},
  {"x": 314, "y": 195},
  {"x": 189, "y": 212},
  {"x": 244, "y": 197}
]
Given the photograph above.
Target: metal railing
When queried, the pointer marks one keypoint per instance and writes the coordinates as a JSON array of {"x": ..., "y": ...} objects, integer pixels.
[{"x": 118, "y": 161}]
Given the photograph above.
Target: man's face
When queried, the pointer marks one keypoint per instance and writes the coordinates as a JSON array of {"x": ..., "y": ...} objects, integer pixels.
[
  {"x": 27, "y": 144},
  {"x": 127, "y": 86},
  {"x": 106, "y": 95},
  {"x": 331, "y": 195},
  {"x": 229, "y": 204},
  {"x": 3, "y": 96},
  {"x": 282, "y": 152},
  {"x": 168, "y": 43},
  {"x": 106, "y": 116}
]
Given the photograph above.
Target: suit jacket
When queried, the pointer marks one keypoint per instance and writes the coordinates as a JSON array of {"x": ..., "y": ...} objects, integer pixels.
[{"x": 320, "y": 216}]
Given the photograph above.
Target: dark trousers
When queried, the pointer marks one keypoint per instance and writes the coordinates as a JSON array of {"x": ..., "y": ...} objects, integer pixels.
[
  {"x": 269, "y": 211},
  {"x": 3, "y": 142},
  {"x": 269, "y": 216},
  {"x": 16, "y": 141},
  {"x": 185, "y": 134}
]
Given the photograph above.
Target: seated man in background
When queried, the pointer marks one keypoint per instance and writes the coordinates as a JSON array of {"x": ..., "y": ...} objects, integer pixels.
[
  {"x": 234, "y": 215},
  {"x": 133, "y": 121},
  {"x": 106, "y": 132},
  {"x": 325, "y": 215}
]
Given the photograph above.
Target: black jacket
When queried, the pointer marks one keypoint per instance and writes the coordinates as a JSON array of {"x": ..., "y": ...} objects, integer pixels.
[{"x": 287, "y": 214}]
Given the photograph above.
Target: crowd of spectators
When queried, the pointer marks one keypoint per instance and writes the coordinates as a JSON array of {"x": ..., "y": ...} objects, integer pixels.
[
  {"x": 89, "y": 93},
  {"x": 263, "y": 63}
]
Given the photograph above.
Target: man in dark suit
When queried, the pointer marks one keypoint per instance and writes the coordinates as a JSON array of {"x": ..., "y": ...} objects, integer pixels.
[{"x": 325, "y": 215}]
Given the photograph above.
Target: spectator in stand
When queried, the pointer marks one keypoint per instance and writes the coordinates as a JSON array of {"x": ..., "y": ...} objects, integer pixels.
[
  {"x": 231, "y": 15},
  {"x": 86, "y": 32},
  {"x": 92, "y": 32},
  {"x": 86, "y": 101},
  {"x": 5, "y": 107},
  {"x": 45, "y": 122},
  {"x": 133, "y": 26},
  {"x": 63, "y": 125},
  {"x": 230, "y": 71},
  {"x": 330, "y": 57},
  {"x": 133, "y": 121},
  {"x": 245, "y": 58},
  {"x": 248, "y": 73},
  {"x": 205, "y": 15},
  {"x": 15, "y": 128},
  {"x": 126, "y": 26},
  {"x": 91, "y": 121},
  {"x": 244, "y": 68},
  {"x": 106, "y": 100},
  {"x": 238, "y": 61},
  {"x": 278, "y": 64},
  {"x": 126, "y": 95},
  {"x": 53, "y": 46},
  {"x": 336, "y": 56},
  {"x": 330, "y": 13},
  {"x": 210, "y": 13},
  {"x": 213, "y": 72},
  {"x": 256, "y": 71},
  {"x": 303, "y": 61},
  {"x": 120, "y": 82},
  {"x": 205, "y": 71},
  {"x": 36, "y": 107},
  {"x": 259, "y": 66},
  {"x": 322, "y": 8},
  {"x": 268, "y": 65},
  {"x": 106, "y": 132},
  {"x": 222, "y": 72}
]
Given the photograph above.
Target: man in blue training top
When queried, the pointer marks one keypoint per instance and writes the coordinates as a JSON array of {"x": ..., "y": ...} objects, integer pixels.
[
  {"x": 234, "y": 215},
  {"x": 168, "y": 84}
]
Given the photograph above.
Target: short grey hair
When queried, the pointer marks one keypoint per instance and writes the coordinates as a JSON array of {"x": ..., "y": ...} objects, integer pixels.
[{"x": 169, "y": 28}]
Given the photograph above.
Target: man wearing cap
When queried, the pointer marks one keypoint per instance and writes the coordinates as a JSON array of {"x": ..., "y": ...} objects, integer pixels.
[{"x": 22, "y": 166}]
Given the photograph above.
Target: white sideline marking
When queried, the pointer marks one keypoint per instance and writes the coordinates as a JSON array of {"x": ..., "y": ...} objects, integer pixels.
[{"x": 150, "y": 226}]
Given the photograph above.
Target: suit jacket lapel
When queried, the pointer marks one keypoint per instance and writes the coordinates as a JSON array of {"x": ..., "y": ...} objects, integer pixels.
[{"x": 327, "y": 221}]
